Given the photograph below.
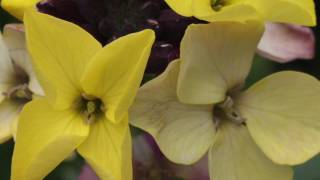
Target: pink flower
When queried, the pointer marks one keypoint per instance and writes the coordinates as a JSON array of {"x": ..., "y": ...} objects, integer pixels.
[{"x": 283, "y": 42}]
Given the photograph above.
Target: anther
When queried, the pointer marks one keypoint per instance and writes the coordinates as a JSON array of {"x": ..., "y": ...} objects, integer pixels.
[
  {"x": 91, "y": 108},
  {"x": 217, "y": 4}
]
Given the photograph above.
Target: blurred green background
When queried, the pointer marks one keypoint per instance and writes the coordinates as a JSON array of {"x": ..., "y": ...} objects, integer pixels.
[{"x": 70, "y": 169}]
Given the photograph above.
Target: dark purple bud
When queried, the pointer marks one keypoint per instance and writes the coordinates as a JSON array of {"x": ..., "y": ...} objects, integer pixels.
[
  {"x": 92, "y": 10},
  {"x": 63, "y": 9},
  {"x": 152, "y": 24},
  {"x": 106, "y": 28},
  {"x": 151, "y": 9},
  {"x": 162, "y": 53},
  {"x": 173, "y": 25}
]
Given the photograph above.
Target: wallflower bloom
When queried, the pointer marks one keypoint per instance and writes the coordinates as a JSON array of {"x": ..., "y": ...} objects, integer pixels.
[
  {"x": 18, "y": 83},
  {"x": 286, "y": 11},
  {"x": 298, "y": 12},
  {"x": 88, "y": 91},
  {"x": 18, "y": 7},
  {"x": 199, "y": 108}
]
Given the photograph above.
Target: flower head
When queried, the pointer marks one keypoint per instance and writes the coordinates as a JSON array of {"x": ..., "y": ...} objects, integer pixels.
[
  {"x": 286, "y": 11},
  {"x": 18, "y": 84},
  {"x": 201, "y": 108},
  {"x": 88, "y": 91}
]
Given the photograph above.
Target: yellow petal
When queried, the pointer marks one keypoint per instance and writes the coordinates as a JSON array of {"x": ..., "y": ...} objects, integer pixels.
[
  {"x": 115, "y": 73},
  {"x": 282, "y": 114},
  {"x": 287, "y": 11},
  {"x": 60, "y": 52},
  {"x": 9, "y": 111},
  {"x": 183, "y": 132},
  {"x": 216, "y": 58},
  {"x": 234, "y": 11},
  {"x": 45, "y": 138},
  {"x": 108, "y": 149},
  {"x": 182, "y": 7},
  {"x": 235, "y": 156},
  {"x": 18, "y": 7},
  {"x": 14, "y": 37}
]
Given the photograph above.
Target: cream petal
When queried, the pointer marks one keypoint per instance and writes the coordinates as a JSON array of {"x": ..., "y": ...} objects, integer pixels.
[
  {"x": 183, "y": 132},
  {"x": 215, "y": 58},
  {"x": 9, "y": 111},
  {"x": 235, "y": 156},
  {"x": 282, "y": 114},
  {"x": 14, "y": 37},
  {"x": 6, "y": 69}
]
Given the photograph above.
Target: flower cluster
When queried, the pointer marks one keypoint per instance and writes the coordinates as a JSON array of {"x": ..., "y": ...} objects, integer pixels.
[{"x": 70, "y": 79}]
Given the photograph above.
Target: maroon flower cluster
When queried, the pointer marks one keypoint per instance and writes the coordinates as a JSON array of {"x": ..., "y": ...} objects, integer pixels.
[{"x": 108, "y": 20}]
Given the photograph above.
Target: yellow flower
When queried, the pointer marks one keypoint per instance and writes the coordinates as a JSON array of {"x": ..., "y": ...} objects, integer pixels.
[
  {"x": 18, "y": 83},
  {"x": 196, "y": 107},
  {"x": 18, "y": 7},
  {"x": 286, "y": 11},
  {"x": 88, "y": 91}
]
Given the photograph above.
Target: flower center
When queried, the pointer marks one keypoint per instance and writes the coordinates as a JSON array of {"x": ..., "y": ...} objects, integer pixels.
[
  {"x": 217, "y": 4},
  {"x": 226, "y": 111},
  {"x": 91, "y": 107},
  {"x": 20, "y": 91}
]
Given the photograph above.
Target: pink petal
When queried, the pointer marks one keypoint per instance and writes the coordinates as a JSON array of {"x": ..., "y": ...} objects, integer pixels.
[
  {"x": 87, "y": 174},
  {"x": 283, "y": 42},
  {"x": 197, "y": 171}
]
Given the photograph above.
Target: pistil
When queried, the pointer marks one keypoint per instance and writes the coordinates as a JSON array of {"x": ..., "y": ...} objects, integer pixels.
[
  {"x": 91, "y": 107},
  {"x": 227, "y": 111}
]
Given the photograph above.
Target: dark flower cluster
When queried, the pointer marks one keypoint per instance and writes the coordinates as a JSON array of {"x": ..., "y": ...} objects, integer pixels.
[{"x": 108, "y": 20}]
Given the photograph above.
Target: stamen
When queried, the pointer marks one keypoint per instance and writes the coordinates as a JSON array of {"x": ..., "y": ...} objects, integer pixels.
[
  {"x": 217, "y": 4},
  {"x": 227, "y": 111},
  {"x": 19, "y": 92},
  {"x": 91, "y": 107}
]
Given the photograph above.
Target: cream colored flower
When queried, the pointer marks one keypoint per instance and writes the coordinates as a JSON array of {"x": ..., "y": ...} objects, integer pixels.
[
  {"x": 18, "y": 83},
  {"x": 197, "y": 106}
]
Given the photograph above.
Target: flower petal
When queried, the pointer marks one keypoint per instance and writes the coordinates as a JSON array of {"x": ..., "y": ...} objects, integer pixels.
[
  {"x": 18, "y": 7},
  {"x": 14, "y": 37},
  {"x": 216, "y": 58},
  {"x": 183, "y": 132},
  {"x": 108, "y": 149},
  {"x": 60, "y": 52},
  {"x": 240, "y": 12},
  {"x": 9, "y": 111},
  {"x": 6, "y": 69},
  {"x": 87, "y": 173},
  {"x": 235, "y": 156},
  {"x": 115, "y": 73},
  {"x": 282, "y": 114},
  {"x": 45, "y": 138},
  {"x": 202, "y": 9},
  {"x": 284, "y": 42},
  {"x": 300, "y": 12},
  {"x": 182, "y": 7}
]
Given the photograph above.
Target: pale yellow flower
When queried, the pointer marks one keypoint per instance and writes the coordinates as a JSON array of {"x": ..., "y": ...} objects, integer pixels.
[
  {"x": 197, "y": 107},
  {"x": 18, "y": 83}
]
